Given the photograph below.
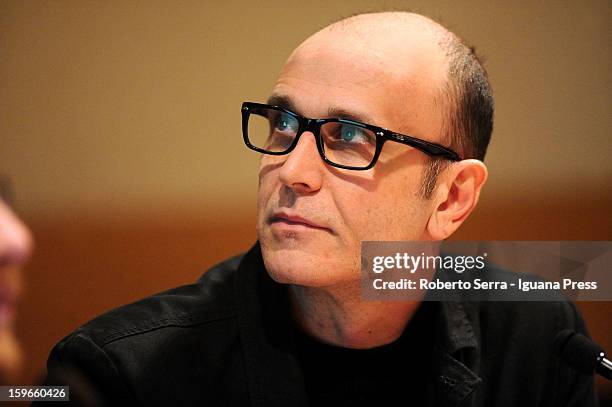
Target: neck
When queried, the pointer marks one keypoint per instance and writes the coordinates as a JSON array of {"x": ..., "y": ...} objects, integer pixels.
[{"x": 338, "y": 316}]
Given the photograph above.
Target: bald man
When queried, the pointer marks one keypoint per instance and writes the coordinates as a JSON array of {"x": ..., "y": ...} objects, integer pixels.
[{"x": 376, "y": 129}]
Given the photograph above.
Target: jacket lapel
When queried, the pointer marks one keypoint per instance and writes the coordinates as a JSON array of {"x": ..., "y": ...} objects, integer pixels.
[{"x": 456, "y": 348}]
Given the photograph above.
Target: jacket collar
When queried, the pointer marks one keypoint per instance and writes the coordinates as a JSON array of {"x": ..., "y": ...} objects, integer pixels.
[
  {"x": 274, "y": 374},
  {"x": 456, "y": 354}
]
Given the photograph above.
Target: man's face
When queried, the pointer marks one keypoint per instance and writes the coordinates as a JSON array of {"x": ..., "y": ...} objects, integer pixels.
[
  {"x": 312, "y": 217},
  {"x": 15, "y": 247}
]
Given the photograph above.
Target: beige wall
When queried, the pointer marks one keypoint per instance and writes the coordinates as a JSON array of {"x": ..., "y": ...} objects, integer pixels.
[{"x": 123, "y": 105}]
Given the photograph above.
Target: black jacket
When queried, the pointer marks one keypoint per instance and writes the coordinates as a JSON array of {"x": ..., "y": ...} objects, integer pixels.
[{"x": 228, "y": 341}]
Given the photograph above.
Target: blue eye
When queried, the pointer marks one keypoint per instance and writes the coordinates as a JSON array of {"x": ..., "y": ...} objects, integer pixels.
[
  {"x": 286, "y": 122},
  {"x": 353, "y": 134}
]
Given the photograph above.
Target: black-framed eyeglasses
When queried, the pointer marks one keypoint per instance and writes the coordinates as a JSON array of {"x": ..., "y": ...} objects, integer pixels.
[{"x": 341, "y": 143}]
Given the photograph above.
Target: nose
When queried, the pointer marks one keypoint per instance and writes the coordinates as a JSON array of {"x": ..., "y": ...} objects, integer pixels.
[
  {"x": 15, "y": 239},
  {"x": 302, "y": 170}
]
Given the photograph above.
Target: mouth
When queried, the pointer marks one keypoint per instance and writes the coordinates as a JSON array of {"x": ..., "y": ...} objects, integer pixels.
[{"x": 294, "y": 222}]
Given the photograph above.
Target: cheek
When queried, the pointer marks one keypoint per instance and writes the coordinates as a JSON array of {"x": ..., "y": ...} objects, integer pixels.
[
  {"x": 265, "y": 187},
  {"x": 392, "y": 211}
]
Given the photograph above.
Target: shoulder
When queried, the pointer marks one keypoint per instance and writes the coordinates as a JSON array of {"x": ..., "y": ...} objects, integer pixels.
[
  {"x": 129, "y": 351},
  {"x": 207, "y": 300},
  {"x": 517, "y": 341},
  {"x": 548, "y": 315},
  {"x": 544, "y": 311},
  {"x": 515, "y": 302},
  {"x": 145, "y": 326}
]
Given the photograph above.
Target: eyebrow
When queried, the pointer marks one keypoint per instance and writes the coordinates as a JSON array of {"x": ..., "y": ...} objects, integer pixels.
[
  {"x": 282, "y": 101},
  {"x": 335, "y": 112}
]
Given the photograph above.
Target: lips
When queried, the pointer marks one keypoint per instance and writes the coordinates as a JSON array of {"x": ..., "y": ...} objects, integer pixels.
[{"x": 294, "y": 220}]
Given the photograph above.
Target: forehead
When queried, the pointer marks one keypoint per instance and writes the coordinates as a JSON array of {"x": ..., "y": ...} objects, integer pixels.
[{"x": 383, "y": 79}]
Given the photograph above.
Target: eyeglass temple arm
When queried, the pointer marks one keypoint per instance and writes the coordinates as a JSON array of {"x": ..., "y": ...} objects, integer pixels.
[{"x": 425, "y": 146}]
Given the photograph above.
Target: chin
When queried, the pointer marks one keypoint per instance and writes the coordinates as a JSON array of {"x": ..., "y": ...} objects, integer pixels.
[{"x": 301, "y": 268}]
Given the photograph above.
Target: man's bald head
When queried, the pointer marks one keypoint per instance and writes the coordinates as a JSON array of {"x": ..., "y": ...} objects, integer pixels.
[
  {"x": 456, "y": 80},
  {"x": 390, "y": 22}
]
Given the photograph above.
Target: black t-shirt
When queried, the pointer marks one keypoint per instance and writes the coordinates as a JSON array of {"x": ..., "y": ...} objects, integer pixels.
[{"x": 389, "y": 375}]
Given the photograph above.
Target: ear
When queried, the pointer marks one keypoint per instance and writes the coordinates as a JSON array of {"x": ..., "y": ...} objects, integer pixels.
[{"x": 455, "y": 197}]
